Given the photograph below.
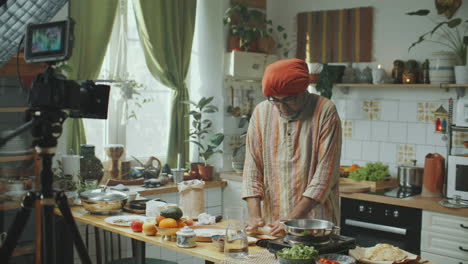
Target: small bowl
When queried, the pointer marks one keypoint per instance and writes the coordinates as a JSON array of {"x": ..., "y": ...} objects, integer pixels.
[
  {"x": 218, "y": 240},
  {"x": 168, "y": 234},
  {"x": 296, "y": 261}
]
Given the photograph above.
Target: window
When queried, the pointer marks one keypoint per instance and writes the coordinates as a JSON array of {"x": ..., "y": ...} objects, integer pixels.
[{"x": 148, "y": 134}]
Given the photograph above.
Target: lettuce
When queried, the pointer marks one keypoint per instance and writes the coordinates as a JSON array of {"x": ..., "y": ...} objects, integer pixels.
[
  {"x": 371, "y": 172},
  {"x": 298, "y": 252}
]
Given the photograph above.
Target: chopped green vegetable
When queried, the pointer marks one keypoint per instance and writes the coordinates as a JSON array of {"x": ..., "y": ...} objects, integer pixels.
[
  {"x": 371, "y": 172},
  {"x": 298, "y": 252}
]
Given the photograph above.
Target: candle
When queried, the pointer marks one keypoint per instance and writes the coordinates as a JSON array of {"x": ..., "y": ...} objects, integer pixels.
[
  {"x": 378, "y": 75},
  {"x": 409, "y": 77}
]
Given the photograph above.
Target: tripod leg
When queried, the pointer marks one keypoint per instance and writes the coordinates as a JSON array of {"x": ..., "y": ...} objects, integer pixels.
[
  {"x": 16, "y": 229},
  {"x": 68, "y": 217}
]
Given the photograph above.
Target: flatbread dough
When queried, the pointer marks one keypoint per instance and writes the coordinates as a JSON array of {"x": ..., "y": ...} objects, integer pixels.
[{"x": 385, "y": 252}]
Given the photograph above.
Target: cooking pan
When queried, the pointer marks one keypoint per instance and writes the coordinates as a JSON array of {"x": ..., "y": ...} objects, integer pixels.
[
  {"x": 103, "y": 201},
  {"x": 309, "y": 231}
]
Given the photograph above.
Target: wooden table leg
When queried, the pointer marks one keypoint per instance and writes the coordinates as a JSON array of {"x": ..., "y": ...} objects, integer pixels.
[{"x": 138, "y": 248}]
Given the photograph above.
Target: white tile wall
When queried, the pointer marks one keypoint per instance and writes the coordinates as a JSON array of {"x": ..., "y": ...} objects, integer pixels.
[
  {"x": 371, "y": 151},
  {"x": 397, "y": 132},
  {"x": 378, "y": 140},
  {"x": 416, "y": 133}
]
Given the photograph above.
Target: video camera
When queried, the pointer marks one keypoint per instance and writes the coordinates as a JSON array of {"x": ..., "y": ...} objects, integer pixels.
[{"x": 51, "y": 43}]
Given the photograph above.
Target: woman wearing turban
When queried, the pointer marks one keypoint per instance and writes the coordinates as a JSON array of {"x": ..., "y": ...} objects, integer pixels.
[{"x": 293, "y": 151}]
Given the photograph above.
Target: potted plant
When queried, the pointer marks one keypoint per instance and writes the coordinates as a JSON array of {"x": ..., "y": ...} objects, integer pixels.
[
  {"x": 238, "y": 153},
  {"x": 244, "y": 26},
  {"x": 202, "y": 136},
  {"x": 325, "y": 81},
  {"x": 274, "y": 37},
  {"x": 448, "y": 33}
]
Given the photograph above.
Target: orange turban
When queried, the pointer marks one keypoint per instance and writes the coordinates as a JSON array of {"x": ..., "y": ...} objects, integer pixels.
[{"x": 285, "y": 78}]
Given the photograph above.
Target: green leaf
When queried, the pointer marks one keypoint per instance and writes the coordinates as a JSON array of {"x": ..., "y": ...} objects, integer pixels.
[
  {"x": 204, "y": 101},
  {"x": 242, "y": 122},
  {"x": 420, "y": 12},
  {"x": 217, "y": 139},
  {"x": 454, "y": 22},
  {"x": 209, "y": 111},
  {"x": 189, "y": 102},
  {"x": 280, "y": 28},
  {"x": 285, "y": 35},
  {"x": 212, "y": 107}
]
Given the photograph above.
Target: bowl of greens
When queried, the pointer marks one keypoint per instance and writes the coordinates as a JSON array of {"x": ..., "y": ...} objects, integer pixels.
[
  {"x": 376, "y": 171},
  {"x": 297, "y": 254}
]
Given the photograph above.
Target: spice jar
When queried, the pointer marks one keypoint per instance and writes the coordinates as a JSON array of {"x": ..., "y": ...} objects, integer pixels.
[{"x": 186, "y": 238}]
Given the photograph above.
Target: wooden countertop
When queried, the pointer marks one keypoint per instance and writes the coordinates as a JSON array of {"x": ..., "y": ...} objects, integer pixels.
[
  {"x": 417, "y": 201},
  {"x": 204, "y": 250}
]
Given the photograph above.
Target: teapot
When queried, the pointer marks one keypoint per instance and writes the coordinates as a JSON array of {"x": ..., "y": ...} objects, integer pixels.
[{"x": 147, "y": 170}]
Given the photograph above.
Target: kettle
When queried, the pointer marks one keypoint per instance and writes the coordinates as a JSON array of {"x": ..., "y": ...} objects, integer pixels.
[{"x": 434, "y": 174}]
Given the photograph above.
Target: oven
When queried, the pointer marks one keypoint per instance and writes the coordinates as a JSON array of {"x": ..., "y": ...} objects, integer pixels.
[{"x": 371, "y": 223}]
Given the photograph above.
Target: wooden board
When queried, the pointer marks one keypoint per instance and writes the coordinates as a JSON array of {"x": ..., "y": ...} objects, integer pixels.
[
  {"x": 353, "y": 188},
  {"x": 390, "y": 182}
]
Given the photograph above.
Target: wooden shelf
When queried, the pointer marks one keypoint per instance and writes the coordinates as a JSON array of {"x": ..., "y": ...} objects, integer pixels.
[
  {"x": 344, "y": 87},
  {"x": 12, "y": 109},
  {"x": 16, "y": 158}
]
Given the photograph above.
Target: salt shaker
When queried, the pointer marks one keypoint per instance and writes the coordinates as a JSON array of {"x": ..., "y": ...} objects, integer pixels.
[{"x": 186, "y": 238}]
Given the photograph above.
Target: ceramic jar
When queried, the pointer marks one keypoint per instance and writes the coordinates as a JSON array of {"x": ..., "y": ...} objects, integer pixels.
[
  {"x": 441, "y": 67},
  {"x": 90, "y": 166},
  {"x": 186, "y": 238},
  {"x": 461, "y": 74}
]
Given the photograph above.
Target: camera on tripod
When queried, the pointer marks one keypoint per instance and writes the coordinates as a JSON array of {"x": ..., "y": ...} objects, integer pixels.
[{"x": 51, "y": 43}]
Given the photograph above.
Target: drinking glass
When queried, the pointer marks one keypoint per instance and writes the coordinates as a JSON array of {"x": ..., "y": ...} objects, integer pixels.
[{"x": 236, "y": 244}]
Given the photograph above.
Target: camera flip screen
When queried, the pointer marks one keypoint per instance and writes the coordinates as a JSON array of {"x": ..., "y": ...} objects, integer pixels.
[{"x": 48, "y": 42}]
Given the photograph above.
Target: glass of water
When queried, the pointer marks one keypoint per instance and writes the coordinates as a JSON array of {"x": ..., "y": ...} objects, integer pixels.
[{"x": 236, "y": 244}]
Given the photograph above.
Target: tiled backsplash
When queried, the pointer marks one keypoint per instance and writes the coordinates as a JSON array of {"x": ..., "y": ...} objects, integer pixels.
[{"x": 393, "y": 129}]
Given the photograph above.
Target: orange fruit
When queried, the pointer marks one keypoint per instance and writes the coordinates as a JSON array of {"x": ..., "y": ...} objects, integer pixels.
[
  {"x": 168, "y": 223},
  {"x": 159, "y": 218},
  {"x": 180, "y": 223}
]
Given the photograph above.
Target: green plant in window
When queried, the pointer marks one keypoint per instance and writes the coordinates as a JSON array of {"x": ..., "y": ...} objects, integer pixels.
[{"x": 201, "y": 133}]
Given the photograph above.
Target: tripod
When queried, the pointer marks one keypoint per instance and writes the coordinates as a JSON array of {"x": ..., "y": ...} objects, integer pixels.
[{"x": 46, "y": 127}]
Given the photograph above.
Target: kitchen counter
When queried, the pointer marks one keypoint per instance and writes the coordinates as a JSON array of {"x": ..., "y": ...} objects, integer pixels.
[{"x": 417, "y": 201}]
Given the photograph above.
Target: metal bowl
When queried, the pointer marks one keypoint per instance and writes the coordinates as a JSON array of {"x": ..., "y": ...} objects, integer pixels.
[
  {"x": 309, "y": 227},
  {"x": 103, "y": 201}
]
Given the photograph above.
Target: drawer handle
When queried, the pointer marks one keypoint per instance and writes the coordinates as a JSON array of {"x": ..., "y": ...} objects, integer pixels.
[
  {"x": 461, "y": 248},
  {"x": 462, "y": 226}
]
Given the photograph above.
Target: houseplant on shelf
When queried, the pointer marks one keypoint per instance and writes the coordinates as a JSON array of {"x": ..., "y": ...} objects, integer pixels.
[
  {"x": 451, "y": 34},
  {"x": 244, "y": 26},
  {"x": 238, "y": 147},
  {"x": 202, "y": 136}
]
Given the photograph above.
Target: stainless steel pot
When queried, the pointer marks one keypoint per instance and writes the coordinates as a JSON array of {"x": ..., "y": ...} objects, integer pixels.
[
  {"x": 103, "y": 201},
  {"x": 309, "y": 231},
  {"x": 410, "y": 176}
]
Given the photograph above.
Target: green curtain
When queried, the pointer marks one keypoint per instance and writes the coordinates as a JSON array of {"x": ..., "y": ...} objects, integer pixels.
[
  {"x": 93, "y": 27},
  {"x": 166, "y": 30}
]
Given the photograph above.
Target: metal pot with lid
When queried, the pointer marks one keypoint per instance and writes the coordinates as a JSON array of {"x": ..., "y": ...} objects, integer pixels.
[
  {"x": 103, "y": 200},
  {"x": 410, "y": 176}
]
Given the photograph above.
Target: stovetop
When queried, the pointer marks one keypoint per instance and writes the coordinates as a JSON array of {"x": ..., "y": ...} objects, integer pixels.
[
  {"x": 337, "y": 244},
  {"x": 401, "y": 192}
]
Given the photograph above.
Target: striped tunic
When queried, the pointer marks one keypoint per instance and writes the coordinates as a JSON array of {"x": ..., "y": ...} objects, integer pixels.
[{"x": 286, "y": 160}]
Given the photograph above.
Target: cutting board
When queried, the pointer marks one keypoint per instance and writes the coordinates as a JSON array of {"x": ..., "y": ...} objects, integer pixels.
[{"x": 353, "y": 188}]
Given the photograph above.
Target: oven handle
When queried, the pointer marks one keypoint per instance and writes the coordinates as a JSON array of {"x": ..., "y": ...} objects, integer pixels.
[{"x": 384, "y": 228}]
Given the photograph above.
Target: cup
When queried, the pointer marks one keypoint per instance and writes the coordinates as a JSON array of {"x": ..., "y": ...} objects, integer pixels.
[
  {"x": 71, "y": 166},
  {"x": 236, "y": 243}
]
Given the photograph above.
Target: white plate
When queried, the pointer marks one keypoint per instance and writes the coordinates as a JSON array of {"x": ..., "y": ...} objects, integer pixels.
[{"x": 125, "y": 220}]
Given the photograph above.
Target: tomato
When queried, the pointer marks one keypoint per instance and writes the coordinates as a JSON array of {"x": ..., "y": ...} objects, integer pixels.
[{"x": 327, "y": 261}]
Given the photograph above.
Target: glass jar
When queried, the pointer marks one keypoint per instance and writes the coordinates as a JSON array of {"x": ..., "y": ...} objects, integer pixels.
[
  {"x": 236, "y": 244},
  {"x": 90, "y": 166},
  {"x": 186, "y": 238}
]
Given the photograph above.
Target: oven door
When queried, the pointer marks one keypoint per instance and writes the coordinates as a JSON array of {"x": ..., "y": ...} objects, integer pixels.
[
  {"x": 370, "y": 234},
  {"x": 457, "y": 183}
]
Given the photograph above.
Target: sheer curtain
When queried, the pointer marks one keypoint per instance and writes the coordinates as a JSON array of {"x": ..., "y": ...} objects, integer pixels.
[{"x": 147, "y": 134}]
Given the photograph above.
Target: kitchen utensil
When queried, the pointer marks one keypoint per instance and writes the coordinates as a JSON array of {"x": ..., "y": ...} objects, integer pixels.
[
  {"x": 434, "y": 174},
  {"x": 313, "y": 231},
  {"x": 103, "y": 201},
  {"x": 410, "y": 176}
]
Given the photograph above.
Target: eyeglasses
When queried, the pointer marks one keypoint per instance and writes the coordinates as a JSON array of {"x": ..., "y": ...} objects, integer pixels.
[{"x": 286, "y": 100}]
